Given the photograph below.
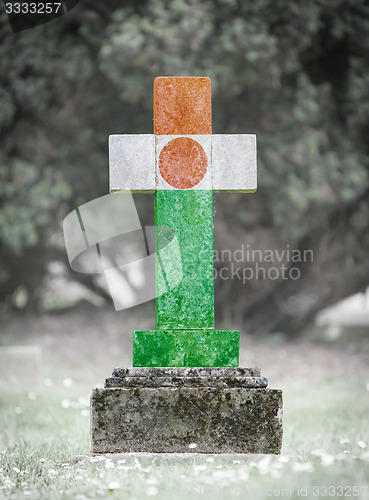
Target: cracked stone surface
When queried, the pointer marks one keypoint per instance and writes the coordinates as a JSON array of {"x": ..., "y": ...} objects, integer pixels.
[
  {"x": 169, "y": 419},
  {"x": 186, "y": 377},
  {"x": 186, "y": 372}
]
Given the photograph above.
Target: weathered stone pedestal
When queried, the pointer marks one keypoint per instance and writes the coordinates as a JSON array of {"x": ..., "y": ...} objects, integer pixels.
[{"x": 165, "y": 410}]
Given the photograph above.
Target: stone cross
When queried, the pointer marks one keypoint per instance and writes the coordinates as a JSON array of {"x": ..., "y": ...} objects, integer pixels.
[{"x": 182, "y": 163}]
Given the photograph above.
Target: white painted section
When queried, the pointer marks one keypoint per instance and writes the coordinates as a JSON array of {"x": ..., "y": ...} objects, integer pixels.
[
  {"x": 132, "y": 162},
  {"x": 234, "y": 162},
  {"x": 232, "y": 165}
]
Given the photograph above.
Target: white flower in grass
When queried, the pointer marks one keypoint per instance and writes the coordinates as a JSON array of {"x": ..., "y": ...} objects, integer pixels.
[
  {"x": 341, "y": 456},
  {"x": 206, "y": 479},
  {"x": 85, "y": 413},
  {"x": 109, "y": 465},
  {"x": 18, "y": 410},
  {"x": 32, "y": 396},
  {"x": 243, "y": 474},
  {"x": 318, "y": 453},
  {"x": 8, "y": 483},
  {"x": 264, "y": 464},
  {"x": 15, "y": 469},
  {"x": 275, "y": 473},
  {"x": 199, "y": 467},
  {"x": 152, "y": 480},
  {"x": 219, "y": 474},
  {"x": 94, "y": 459},
  {"x": 192, "y": 446},
  {"x": 26, "y": 492},
  {"x": 210, "y": 459},
  {"x": 123, "y": 461},
  {"x": 303, "y": 467},
  {"x": 52, "y": 472},
  {"x": 114, "y": 485},
  {"x": 361, "y": 444},
  {"x": 277, "y": 465},
  {"x": 344, "y": 440},
  {"x": 83, "y": 401},
  {"x": 65, "y": 403},
  {"x": 152, "y": 491},
  {"x": 327, "y": 460},
  {"x": 67, "y": 382}
]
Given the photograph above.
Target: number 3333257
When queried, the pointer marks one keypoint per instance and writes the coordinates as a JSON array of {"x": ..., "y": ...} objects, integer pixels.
[{"x": 33, "y": 8}]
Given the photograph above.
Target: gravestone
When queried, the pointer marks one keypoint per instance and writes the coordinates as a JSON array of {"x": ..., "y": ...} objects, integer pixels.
[{"x": 185, "y": 391}]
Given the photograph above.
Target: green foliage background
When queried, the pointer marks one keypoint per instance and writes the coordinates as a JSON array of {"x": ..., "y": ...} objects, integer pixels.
[{"x": 294, "y": 73}]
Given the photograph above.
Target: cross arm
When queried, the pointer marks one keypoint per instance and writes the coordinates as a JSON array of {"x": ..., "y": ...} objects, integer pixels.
[{"x": 231, "y": 162}]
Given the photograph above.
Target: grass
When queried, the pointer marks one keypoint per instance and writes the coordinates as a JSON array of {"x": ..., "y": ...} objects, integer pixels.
[{"x": 325, "y": 451}]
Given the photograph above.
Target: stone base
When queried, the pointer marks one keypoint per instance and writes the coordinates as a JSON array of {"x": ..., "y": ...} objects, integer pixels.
[{"x": 230, "y": 412}]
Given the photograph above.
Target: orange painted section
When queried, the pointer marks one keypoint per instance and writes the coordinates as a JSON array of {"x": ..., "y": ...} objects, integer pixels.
[
  {"x": 183, "y": 163},
  {"x": 182, "y": 105}
]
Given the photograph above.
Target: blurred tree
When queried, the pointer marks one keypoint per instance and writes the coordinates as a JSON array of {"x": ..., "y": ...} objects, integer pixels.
[{"x": 296, "y": 74}]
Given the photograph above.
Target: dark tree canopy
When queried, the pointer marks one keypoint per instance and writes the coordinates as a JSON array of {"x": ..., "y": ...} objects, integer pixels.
[{"x": 294, "y": 73}]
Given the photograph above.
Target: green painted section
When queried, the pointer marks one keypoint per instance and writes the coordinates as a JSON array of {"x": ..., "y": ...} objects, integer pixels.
[
  {"x": 185, "y": 332},
  {"x": 190, "y": 305},
  {"x": 186, "y": 348}
]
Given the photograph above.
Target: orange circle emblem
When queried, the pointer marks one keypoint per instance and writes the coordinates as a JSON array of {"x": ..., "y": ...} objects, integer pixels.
[{"x": 183, "y": 163}]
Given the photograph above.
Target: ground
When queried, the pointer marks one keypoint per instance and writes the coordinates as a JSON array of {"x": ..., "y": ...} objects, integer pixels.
[{"x": 42, "y": 427}]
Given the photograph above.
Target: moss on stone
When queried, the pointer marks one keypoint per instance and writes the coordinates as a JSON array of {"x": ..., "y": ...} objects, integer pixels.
[{"x": 218, "y": 420}]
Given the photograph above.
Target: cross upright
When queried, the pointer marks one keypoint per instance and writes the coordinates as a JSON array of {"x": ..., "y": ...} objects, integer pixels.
[{"x": 182, "y": 163}]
